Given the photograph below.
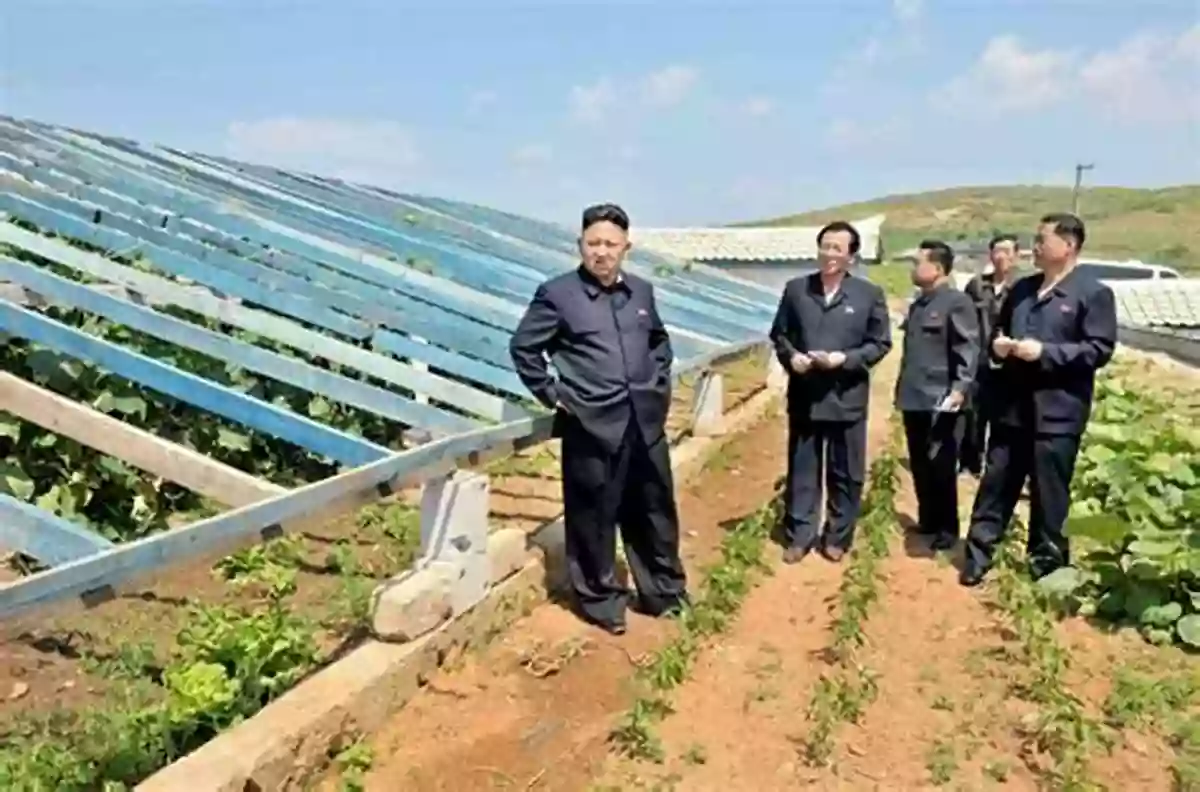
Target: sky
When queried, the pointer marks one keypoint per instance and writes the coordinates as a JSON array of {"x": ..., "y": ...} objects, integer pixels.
[{"x": 685, "y": 112}]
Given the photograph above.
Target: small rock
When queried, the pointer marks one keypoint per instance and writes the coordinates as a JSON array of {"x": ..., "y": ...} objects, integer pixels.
[
  {"x": 19, "y": 689},
  {"x": 70, "y": 683}
]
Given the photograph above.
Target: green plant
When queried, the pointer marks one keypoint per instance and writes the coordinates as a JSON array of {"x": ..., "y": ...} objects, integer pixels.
[
  {"x": 1136, "y": 518},
  {"x": 845, "y": 691},
  {"x": 230, "y": 662},
  {"x": 726, "y": 584},
  {"x": 1060, "y": 727}
]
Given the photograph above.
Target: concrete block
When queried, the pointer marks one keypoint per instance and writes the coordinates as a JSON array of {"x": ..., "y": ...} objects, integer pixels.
[
  {"x": 454, "y": 530},
  {"x": 508, "y": 551},
  {"x": 708, "y": 409},
  {"x": 414, "y": 604}
]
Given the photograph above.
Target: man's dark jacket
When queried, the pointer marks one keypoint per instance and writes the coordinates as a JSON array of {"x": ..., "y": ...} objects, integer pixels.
[
  {"x": 1076, "y": 321},
  {"x": 855, "y": 322},
  {"x": 941, "y": 349},
  {"x": 609, "y": 347}
]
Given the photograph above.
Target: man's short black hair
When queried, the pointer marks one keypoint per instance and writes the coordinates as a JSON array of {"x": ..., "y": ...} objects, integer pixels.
[
  {"x": 1067, "y": 226},
  {"x": 842, "y": 225},
  {"x": 606, "y": 212},
  {"x": 940, "y": 253},
  {"x": 1002, "y": 238}
]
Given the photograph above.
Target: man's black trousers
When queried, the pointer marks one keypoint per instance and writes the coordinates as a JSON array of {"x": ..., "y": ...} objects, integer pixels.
[
  {"x": 974, "y": 440},
  {"x": 1048, "y": 461},
  {"x": 933, "y": 440},
  {"x": 976, "y": 422},
  {"x": 632, "y": 487},
  {"x": 842, "y": 474}
]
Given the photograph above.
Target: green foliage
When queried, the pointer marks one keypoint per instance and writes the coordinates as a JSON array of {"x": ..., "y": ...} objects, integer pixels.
[
  {"x": 1135, "y": 520},
  {"x": 110, "y": 497},
  {"x": 843, "y": 693},
  {"x": 726, "y": 584},
  {"x": 1060, "y": 727},
  {"x": 229, "y": 663}
]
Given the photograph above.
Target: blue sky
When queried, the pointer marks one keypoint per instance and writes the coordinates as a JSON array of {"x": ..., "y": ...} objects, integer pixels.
[{"x": 686, "y": 112}]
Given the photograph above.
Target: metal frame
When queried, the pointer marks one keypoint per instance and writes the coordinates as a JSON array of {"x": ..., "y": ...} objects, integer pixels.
[{"x": 418, "y": 294}]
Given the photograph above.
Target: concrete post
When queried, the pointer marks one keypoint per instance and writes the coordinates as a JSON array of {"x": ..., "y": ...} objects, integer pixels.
[
  {"x": 452, "y": 574},
  {"x": 708, "y": 406}
]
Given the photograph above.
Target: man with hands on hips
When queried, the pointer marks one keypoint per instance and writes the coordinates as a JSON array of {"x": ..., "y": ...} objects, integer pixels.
[
  {"x": 830, "y": 329},
  {"x": 1055, "y": 330}
]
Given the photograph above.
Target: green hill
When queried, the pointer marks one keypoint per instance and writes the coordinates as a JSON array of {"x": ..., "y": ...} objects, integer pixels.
[{"x": 1159, "y": 226}]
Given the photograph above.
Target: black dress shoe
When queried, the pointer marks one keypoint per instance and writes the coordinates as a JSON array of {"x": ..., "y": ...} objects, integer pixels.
[
  {"x": 834, "y": 554},
  {"x": 944, "y": 542},
  {"x": 794, "y": 555},
  {"x": 971, "y": 577}
]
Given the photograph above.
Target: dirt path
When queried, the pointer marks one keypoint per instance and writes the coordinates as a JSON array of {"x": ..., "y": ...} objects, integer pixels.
[
  {"x": 945, "y": 715},
  {"x": 537, "y": 706},
  {"x": 738, "y": 720}
]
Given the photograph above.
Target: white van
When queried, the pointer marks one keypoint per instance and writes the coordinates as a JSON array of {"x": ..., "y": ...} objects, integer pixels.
[{"x": 1106, "y": 271}]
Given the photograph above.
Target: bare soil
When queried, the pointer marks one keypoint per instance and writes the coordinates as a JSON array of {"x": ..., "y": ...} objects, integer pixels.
[{"x": 68, "y": 660}]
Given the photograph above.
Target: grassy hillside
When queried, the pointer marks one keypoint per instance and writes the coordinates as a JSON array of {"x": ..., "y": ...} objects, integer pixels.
[{"x": 1160, "y": 226}]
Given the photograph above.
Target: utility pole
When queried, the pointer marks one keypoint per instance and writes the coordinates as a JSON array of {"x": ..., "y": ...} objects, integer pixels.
[{"x": 1079, "y": 169}]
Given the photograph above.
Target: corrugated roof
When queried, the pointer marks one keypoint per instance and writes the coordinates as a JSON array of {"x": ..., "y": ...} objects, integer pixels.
[
  {"x": 1159, "y": 303},
  {"x": 782, "y": 243}
]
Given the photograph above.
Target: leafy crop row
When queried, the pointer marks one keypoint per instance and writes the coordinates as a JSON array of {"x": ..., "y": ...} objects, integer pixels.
[
  {"x": 227, "y": 663},
  {"x": 1060, "y": 728},
  {"x": 122, "y": 503},
  {"x": 1135, "y": 519},
  {"x": 843, "y": 693},
  {"x": 726, "y": 584}
]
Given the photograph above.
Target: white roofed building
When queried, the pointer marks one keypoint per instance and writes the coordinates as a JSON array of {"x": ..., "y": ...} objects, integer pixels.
[{"x": 770, "y": 255}]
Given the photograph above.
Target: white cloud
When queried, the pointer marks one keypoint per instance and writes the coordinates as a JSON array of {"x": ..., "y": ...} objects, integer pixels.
[
  {"x": 1008, "y": 76},
  {"x": 848, "y": 135},
  {"x": 669, "y": 86},
  {"x": 758, "y": 106},
  {"x": 532, "y": 154},
  {"x": 1148, "y": 78},
  {"x": 664, "y": 88},
  {"x": 358, "y": 150},
  {"x": 588, "y": 102}
]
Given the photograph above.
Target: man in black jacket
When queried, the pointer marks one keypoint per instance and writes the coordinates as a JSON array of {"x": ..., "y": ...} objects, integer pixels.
[
  {"x": 937, "y": 374},
  {"x": 1054, "y": 331},
  {"x": 987, "y": 290},
  {"x": 829, "y": 331},
  {"x": 601, "y": 329}
]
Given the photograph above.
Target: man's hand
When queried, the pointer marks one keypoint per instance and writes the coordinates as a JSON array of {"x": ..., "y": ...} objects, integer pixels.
[
  {"x": 1003, "y": 346},
  {"x": 1029, "y": 349},
  {"x": 953, "y": 401},
  {"x": 829, "y": 360},
  {"x": 800, "y": 362}
]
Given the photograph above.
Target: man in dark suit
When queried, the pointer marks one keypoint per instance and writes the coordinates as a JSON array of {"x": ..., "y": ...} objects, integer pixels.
[
  {"x": 1054, "y": 331},
  {"x": 830, "y": 329},
  {"x": 601, "y": 329},
  {"x": 987, "y": 290},
  {"x": 937, "y": 374}
]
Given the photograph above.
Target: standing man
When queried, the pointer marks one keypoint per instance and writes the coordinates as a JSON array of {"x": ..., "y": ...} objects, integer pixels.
[
  {"x": 987, "y": 290},
  {"x": 601, "y": 329},
  {"x": 937, "y": 374},
  {"x": 830, "y": 330},
  {"x": 1054, "y": 331}
]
